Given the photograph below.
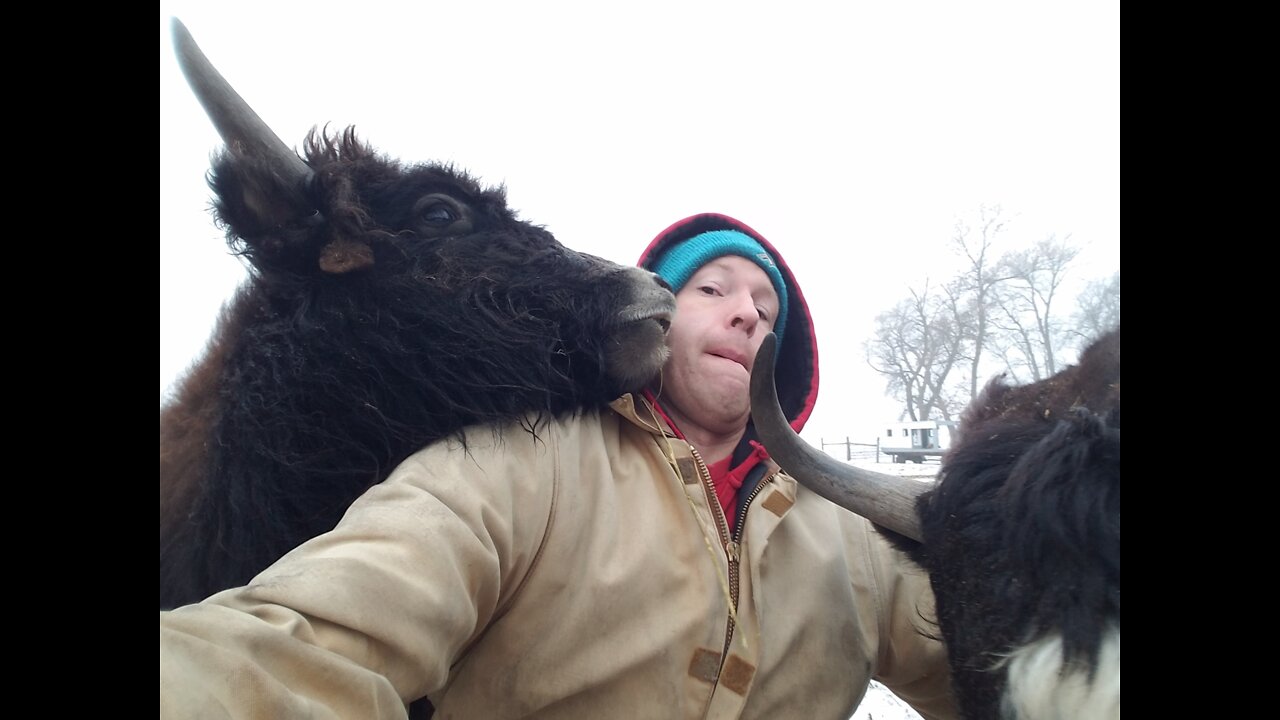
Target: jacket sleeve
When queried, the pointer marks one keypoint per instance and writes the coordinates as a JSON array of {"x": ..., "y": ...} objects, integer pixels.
[
  {"x": 912, "y": 661},
  {"x": 360, "y": 620}
]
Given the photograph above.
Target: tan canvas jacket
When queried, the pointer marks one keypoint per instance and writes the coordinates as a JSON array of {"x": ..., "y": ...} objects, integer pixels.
[{"x": 581, "y": 573}]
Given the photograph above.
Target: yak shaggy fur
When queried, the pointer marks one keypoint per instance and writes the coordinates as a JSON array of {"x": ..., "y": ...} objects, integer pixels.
[
  {"x": 1022, "y": 544},
  {"x": 387, "y": 306}
]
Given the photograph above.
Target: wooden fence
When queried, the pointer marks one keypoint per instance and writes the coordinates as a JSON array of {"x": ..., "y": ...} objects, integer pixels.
[
  {"x": 848, "y": 451},
  {"x": 853, "y": 450}
]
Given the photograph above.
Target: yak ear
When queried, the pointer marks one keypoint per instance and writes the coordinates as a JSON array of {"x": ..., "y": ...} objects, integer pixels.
[
  {"x": 267, "y": 218},
  {"x": 276, "y": 222},
  {"x": 252, "y": 201}
]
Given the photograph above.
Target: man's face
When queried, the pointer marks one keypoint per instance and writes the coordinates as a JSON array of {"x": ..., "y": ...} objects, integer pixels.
[{"x": 722, "y": 316}]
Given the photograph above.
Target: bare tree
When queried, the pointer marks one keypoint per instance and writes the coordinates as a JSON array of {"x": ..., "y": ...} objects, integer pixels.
[
  {"x": 894, "y": 352},
  {"x": 1029, "y": 285},
  {"x": 916, "y": 346},
  {"x": 1097, "y": 309},
  {"x": 998, "y": 314},
  {"x": 952, "y": 338},
  {"x": 977, "y": 282}
]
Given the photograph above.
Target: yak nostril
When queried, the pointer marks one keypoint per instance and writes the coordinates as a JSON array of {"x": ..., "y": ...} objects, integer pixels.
[{"x": 663, "y": 283}]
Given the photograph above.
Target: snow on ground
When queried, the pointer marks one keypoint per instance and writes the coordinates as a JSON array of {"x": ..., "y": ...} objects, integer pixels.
[
  {"x": 880, "y": 704},
  {"x": 926, "y": 470}
]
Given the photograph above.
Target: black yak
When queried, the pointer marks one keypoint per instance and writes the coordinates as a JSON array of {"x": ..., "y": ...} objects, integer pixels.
[
  {"x": 1020, "y": 535},
  {"x": 388, "y": 306}
]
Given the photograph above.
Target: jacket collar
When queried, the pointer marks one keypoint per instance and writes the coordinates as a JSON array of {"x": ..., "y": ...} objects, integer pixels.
[{"x": 637, "y": 410}]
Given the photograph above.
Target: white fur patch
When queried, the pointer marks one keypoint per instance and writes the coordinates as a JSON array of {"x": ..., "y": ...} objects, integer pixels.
[{"x": 1038, "y": 688}]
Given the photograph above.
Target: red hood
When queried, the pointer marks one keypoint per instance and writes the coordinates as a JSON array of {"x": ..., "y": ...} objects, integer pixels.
[{"x": 797, "y": 367}]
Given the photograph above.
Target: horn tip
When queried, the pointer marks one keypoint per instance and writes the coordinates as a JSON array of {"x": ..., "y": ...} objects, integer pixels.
[{"x": 178, "y": 28}]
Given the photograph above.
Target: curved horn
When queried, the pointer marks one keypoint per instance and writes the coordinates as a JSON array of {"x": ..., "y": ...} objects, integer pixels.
[
  {"x": 885, "y": 500},
  {"x": 240, "y": 127}
]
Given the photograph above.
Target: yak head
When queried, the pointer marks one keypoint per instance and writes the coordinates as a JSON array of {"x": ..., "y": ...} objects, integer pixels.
[
  {"x": 388, "y": 305},
  {"x": 1020, "y": 534}
]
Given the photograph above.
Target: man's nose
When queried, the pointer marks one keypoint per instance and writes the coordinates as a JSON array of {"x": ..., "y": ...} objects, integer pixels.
[{"x": 745, "y": 316}]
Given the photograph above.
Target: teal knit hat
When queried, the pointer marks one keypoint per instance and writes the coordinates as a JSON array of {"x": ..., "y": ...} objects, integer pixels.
[{"x": 679, "y": 263}]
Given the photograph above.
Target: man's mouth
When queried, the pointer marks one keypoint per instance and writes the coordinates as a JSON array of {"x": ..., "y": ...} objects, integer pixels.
[{"x": 731, "y": 355}]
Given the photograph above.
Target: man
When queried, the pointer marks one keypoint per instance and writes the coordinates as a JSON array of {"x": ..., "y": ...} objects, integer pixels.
[{"x": 645, "y": 560}]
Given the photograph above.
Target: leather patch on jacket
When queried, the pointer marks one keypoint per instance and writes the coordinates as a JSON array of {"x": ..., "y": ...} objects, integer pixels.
[
  {"x": 688, "y": 470},
  {"x": 737, "y": 674},
  {"x": 777, "y": 503},
  {"x": 705, "y": 665}
]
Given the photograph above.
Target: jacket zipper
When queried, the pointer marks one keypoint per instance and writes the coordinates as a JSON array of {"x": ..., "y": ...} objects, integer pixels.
[
  {"x": 732, "y": 544},
  {"x": 736, "y": 544},
  {"x": 726, "y": 542}
]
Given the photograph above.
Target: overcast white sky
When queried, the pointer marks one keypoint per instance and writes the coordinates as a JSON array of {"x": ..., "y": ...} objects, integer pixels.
[{"x": 853, "y": 135}]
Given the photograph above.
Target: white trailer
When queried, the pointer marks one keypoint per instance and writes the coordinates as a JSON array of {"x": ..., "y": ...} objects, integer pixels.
[{"x": 915, "y": 440}]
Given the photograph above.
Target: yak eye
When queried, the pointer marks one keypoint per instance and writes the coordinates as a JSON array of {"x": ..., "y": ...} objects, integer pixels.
[{"x": 439, "y": 213}]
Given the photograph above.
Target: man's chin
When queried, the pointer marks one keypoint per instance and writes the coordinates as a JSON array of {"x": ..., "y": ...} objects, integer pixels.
[
  {"x": 733, "y": 393},
  {"x": 729, "y": 368}
]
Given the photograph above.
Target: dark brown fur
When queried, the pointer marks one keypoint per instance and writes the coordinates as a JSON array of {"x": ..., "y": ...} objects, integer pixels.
[
  {"x": 1022, "y": 534},
  {"x": 387, "y": 306}
]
